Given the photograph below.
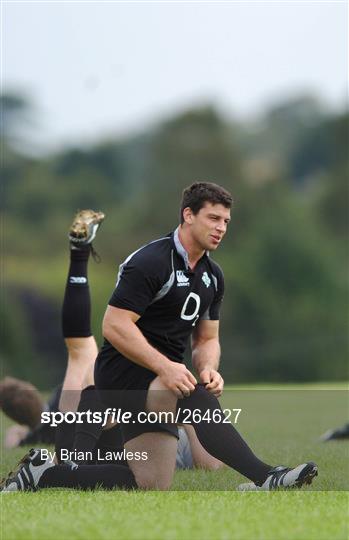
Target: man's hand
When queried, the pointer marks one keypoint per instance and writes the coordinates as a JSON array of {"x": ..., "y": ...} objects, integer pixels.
[
  {"x": 177, "y": 378},
  {"x": 214, "y": 381}
]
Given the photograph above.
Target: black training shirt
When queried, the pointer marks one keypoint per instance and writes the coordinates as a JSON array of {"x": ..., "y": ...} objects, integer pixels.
[{"x": 156, "y": 283}]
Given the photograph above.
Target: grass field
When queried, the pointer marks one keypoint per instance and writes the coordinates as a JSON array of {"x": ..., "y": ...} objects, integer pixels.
[{"x": 282, "y": 426}]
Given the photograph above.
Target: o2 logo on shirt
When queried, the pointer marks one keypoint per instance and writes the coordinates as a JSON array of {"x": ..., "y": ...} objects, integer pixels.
[{"x": 194, "y": 315}]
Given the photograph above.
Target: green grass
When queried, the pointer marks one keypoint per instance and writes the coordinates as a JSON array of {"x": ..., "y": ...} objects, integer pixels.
[
  {"x": 126, "y": 516},
  {"x": 282, "y": 426}
]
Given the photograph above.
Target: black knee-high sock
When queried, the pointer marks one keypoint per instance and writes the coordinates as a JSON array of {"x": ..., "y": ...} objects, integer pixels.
[
  {"x": 222, "y": 440},
  {"x": 88, "y": 433},
  {"x": 76, "y": 312},
  {"x": 64, "y": 438},
  {"x": 111, "y": 439},
  {"x": 76, "y": 317},
  {"x": 88, "y": 477}
]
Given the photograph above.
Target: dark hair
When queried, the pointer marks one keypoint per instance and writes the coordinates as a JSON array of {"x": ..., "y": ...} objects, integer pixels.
[
  {"x": 196, "y": 195},
  {"x": 21, "y": 401}
]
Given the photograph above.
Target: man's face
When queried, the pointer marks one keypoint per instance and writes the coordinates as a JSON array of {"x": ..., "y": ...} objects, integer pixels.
[{"x": 209, "y": 225}]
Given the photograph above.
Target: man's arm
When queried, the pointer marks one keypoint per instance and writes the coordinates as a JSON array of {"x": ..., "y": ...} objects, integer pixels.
[
  {"x": 206, "y": 352},
  {"x": 120, "y": 329}
]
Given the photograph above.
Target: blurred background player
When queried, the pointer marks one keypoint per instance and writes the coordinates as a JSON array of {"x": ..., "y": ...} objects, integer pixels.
[
  {"x": 340, "y": 433},
  {"x": 76, "y": 320},
  {"x": 22, "y": 402}
]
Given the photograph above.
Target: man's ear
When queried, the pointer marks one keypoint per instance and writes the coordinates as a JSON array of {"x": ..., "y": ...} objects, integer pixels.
[{"x": 188, "y": 215}]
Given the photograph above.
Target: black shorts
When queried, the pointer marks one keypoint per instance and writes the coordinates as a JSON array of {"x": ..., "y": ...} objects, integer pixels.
[{"x": 124, "y": 385}]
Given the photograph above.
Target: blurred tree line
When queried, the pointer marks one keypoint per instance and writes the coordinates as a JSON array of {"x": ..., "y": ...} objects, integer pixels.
[{"x": 285, "y": 257}]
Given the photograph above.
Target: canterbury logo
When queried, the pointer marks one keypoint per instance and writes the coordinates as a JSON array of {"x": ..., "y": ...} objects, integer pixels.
[
  {"x": 77, "y": 279},
  {"x": 182, "y": 280},
  {"x": 206, "y": 279}
]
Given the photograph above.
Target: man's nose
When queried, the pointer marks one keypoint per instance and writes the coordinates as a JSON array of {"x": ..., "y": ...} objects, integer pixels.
[{"x": 221, "y": 227}]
